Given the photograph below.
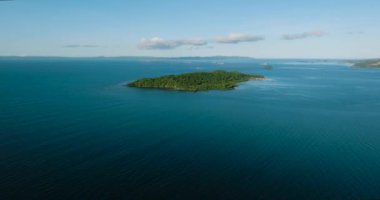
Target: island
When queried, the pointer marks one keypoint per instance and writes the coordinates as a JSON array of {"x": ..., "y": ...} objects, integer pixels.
[
  {"x": 368, "y": 63},
  {"x": 266, "y": 66},
  {"x": 197, "y": 81}
]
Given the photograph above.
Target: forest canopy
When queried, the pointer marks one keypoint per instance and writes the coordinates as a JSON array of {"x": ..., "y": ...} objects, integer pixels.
[{"x": 197, "y": 81}]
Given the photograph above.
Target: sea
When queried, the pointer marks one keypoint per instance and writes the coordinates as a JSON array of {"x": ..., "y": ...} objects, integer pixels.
[{"x": 71, "y": 129}]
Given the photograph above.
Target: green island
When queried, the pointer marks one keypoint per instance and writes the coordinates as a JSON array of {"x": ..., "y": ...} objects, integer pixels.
[
  {"x": 267, "y": 66},
  {"x": 197, "y": 81},
  {"x": 368, "y": 63}
]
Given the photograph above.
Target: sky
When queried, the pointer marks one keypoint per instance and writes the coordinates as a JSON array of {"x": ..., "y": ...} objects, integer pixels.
[{"x": 172, "y": 28}]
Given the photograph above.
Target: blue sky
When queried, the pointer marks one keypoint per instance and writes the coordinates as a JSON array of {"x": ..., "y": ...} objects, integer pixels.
[{"x": 262, "y": 29}]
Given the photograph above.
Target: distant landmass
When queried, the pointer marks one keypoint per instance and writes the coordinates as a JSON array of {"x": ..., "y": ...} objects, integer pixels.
[
  {"x": 197, "y": 81},
  {"x": 266, "y": 66},
  {"x": 195, "y": 58},
  {"x": 368, "y": 63}
]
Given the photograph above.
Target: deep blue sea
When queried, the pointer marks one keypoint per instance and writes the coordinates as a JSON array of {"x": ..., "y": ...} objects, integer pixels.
[{"x": 69, "y": 129}]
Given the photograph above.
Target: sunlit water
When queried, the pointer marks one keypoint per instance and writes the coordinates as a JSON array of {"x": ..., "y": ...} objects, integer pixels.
[{"x": 70, "y": 129}]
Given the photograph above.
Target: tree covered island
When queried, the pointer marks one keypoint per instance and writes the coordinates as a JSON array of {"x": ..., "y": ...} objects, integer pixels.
[
  {"x": 368, "y": 63},
  {"x": 197, "y": 81},
  {"x": 267, "y": 66}
]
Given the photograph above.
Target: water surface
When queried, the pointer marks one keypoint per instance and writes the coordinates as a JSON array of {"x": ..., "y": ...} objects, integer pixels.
[{"x": 70, "y": 130}]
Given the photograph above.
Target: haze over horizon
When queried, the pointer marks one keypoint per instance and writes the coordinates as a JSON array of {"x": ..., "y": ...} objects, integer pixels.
[{"x": 270, "y": 29}]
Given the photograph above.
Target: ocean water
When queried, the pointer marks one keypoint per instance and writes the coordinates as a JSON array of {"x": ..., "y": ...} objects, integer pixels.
[{"x": 69, "y": 129}]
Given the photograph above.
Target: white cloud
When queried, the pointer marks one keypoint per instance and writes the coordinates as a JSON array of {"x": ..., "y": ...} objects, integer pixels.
[
  {"x": 159, "y": 43},
  {"x": 297, "y": 36},
  {"x": 238, "y": 38}
]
